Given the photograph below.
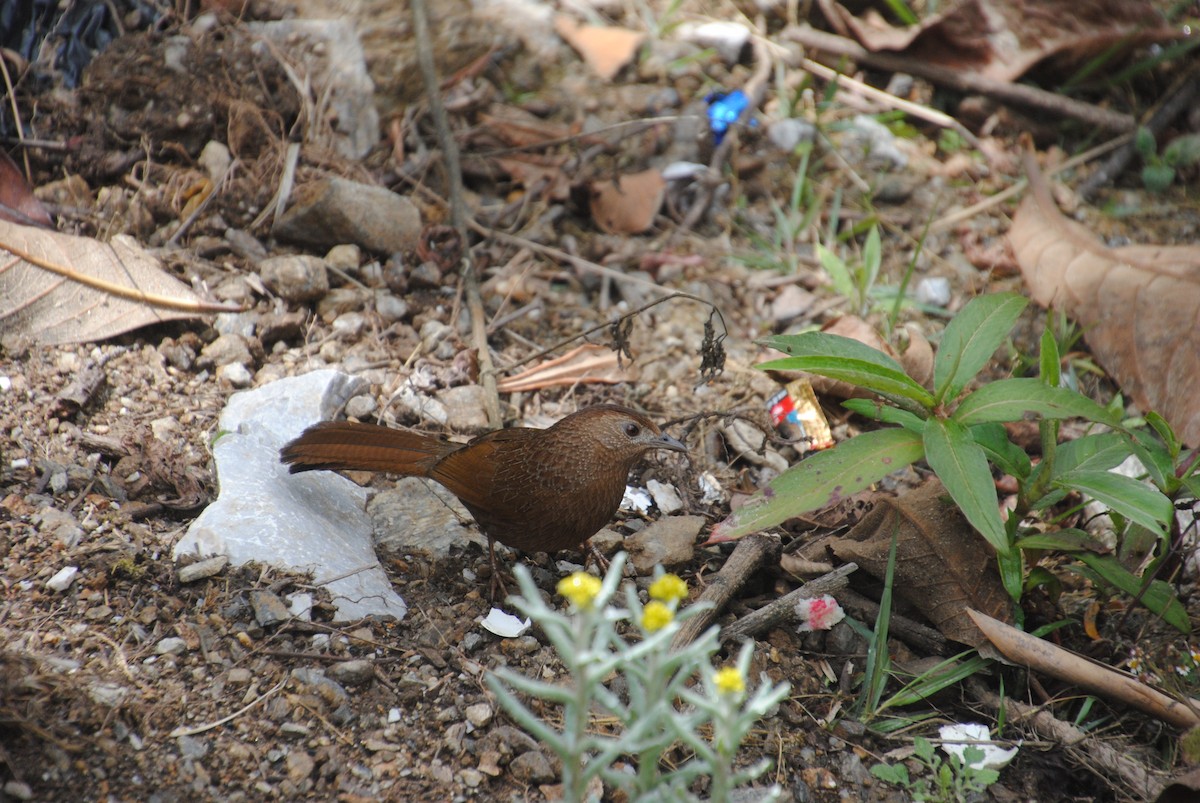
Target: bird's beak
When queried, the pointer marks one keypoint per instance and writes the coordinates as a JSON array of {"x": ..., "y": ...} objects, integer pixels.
[{"x": 665, "y": 441}]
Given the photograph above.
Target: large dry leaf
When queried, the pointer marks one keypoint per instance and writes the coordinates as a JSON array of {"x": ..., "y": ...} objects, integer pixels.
[
  {"x": 942, "y": 565},
  {"x": 53, "y": 295},
  {"x": 1138, "y": 305},
  {"x": 1002, "y": 39}
]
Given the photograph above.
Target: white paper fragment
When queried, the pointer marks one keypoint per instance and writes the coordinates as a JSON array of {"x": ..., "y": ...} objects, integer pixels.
[
  {"x": 958, "y": 737},
  {"x": 636, "y": 499},
  {"x": 503, "y": 624}
]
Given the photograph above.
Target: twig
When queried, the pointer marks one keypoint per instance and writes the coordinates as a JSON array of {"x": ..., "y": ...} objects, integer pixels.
[
  {"x": 458, "y": 213},
  {"x": 751, "y": 554},
  {"x": 175, "y": 734},
  {"x": 784, "y": 609},
  {"x": 1016, "y": 94}
]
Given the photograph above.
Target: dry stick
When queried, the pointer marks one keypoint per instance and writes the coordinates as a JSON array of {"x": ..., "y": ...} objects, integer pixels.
[
  {"x": 1016, "y": 94},
  {"x": 914, "y": 634},
  {"x": 1178, "y": 99},
  {"x": 752, "y": 552},
  {"x": 1111, "y": 762},
  {"x": 458, "y": 213},
  {"x": 783, "y": 610}
]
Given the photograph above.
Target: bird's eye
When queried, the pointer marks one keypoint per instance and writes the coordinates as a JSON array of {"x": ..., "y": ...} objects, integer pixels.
[{"x": 632, "y": 429}]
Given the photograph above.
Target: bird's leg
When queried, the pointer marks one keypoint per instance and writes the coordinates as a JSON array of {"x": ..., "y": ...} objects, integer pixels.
[
  {"x": 594, "y": 553},
  {"x": 497, "y": 580}
]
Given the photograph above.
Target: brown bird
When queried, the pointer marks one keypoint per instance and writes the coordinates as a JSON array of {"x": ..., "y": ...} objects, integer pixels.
[{"x": 539, "y": 490}]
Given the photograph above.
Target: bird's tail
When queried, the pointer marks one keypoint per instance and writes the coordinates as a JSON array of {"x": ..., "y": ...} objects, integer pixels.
[{"x": 344, "y": 445}]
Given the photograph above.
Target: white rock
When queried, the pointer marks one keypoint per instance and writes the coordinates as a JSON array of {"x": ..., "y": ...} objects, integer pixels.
[{"x": 63, "y": 578}]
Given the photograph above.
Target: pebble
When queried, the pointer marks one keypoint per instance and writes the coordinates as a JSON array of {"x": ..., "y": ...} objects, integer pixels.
[
  {"x": 171, "y": 645},
  {"x": 668, "y": 542},
  {"x": 299, "y": 765},
  {"x": 268, "y": 608},
  {"x": 336, "y": 211},
  {"x": 532, "y": 767},
  {"x": 391, "y": 308},
  {"x": 479, "y": 714},
  {"x": 18, "y": 790},
  {"x": 191, "y": 747},
  {"x": 202, "y": 569},
  {"x": 361, "y": 406},
  {"x": 471, "y": 778},
  {"x": 352, "y": 673},
  {"x": 295, "y": 277},
  {"x": 225, "y": 350},
  {"x": 63, "y": 578},
  {"x": 787, "y": 134},
  {"x": 235, "y": 374},
  {"x": 345, "y": 256},
  {"x": 934, "y": 291},
  {"x": 666, "y": 497},
  {"x": 239, "y": 676}
]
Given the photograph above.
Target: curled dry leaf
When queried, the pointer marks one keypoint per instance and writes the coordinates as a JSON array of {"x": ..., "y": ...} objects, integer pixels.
[
  {"x": 628, "y": 204},
  {"x": 1138, "y": 305},
  {"x": 57, "y": 288},
  {"x": 588, "y": 363}
]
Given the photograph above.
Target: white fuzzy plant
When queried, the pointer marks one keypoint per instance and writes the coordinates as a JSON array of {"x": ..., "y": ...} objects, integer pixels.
[{"x": 663, "y": 704}]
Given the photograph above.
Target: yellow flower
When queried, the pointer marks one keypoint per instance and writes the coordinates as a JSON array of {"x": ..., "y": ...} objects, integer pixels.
[
  {"x": 656, "y": 616},
  {"x": 668, "y": 588},
  {"x": 729, "y": 680},
  {"x": 580, "y": 588}
]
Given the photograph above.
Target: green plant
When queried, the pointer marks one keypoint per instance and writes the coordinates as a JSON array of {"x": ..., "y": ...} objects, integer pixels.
[
  {"x": 961, "y": 436},
  {"x": 856, "y": 280},
  {"x": 663, "y": 705},
  {"x": 950, "y": 780},
  {"x": 1158, "y": 172}
]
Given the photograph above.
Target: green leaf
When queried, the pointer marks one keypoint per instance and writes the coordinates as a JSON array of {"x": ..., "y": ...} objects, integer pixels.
[
  {"x": 1068, "y": 540},
  {"x": 1158, "y": 596},
  {"x": 1012, "y": 575},
  {"x": 1157, "y": 462},
  {"x": 1134, "y": 500},
  {"x": 1096, "y": 452},
  {"x": 848, "y": 360},
  {"x": 1011, "y": 399},
  {"x": 839, "y": 274},
  {"x": 872, "y": 257},
  {"x": 1006, "y": 455},
  {"x": 1144, "y": 144},
  {"x": 1183, "y": 151},
  {"x": 962, "y": 466},
  {"x": 886, "y": 413},
  {"x": 1157, "y": 177},
  {"x": 970, "y": 340},
  {"x": 823, "y": 479}
]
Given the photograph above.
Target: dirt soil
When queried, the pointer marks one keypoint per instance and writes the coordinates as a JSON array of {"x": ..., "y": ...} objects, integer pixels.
[{"x": 130, "y": 685}]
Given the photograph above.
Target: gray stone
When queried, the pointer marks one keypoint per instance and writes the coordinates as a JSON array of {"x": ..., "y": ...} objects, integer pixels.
[
  {"x": 335, "y": 210},
  {"x": 351, "y": 673},
  {"x": 668, "y": 542},
  {"x": 202, "y": 569},
  {"x": 464, "y": 408},
  {"x": 225, "y": 350},
  {"x": 312, "y": 522},
  {"x": 532, "y": 767},
  {"x": 171, "y": 646},
  {"x": 295, "y": 277},
  {"x": 479, "y": 714},
  {"x": 268, "y": 608}
]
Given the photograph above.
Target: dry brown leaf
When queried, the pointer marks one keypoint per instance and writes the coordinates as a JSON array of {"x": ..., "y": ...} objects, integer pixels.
[
  {"x": 538, "y": 172},
  {"x": 942, "y": 565},
  {"x": 17, "y": 201},
  {"x": 1042, "y": 656},
  {"x": 628, "y": 204},
  {"x": 605, "y": 49},
  {"x": 588, "y": 363},
  {"x": 57, "y": 288},
  {"x": 1002, "y": 39},
  {"x": 1138, "y": 305}
]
